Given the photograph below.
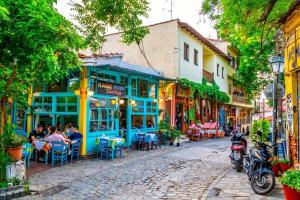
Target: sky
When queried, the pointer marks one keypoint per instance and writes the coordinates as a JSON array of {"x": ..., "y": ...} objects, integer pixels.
[{"x": 185, "y": 10}]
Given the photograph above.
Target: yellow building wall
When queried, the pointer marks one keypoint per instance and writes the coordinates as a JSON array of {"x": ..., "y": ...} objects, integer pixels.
[{"x": 291, "y": 68}]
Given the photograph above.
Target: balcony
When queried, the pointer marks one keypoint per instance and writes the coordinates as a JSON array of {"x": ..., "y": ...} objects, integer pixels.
[
  {"x": 208, "y": 76},
  {"x": 240, "y": 99}
]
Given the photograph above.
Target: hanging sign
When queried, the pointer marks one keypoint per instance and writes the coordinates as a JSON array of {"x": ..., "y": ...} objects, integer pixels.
[
  {"x": 269, "y": 91},
  {"x": 289, "y": 114},
  {"x": 107, "y": 88}
]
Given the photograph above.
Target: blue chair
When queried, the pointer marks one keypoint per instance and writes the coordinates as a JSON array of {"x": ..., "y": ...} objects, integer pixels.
[
  {"x": 155, "y": 142},
  {"x": 141, "y": 141},
  {"x": 59, "y": 152},
  {"x": 75, "y": 149},
  {"x": 119, "y": 148},
  {"x": 105, "y": 149},
  {"x": 27, "y": 153}
]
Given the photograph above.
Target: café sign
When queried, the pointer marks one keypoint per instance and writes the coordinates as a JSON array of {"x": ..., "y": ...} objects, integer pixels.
[{"x": 107, "y": 88}]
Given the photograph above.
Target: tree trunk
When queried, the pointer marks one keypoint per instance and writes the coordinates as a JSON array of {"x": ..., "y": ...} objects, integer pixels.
[{"x": 2, "y": 115}]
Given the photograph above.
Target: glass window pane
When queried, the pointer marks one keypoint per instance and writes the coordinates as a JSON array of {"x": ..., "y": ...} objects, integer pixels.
[
  {"x": 72, "y": 99},
  {"x": 72, "y": 108},
  {"x": 143, "y": 88},
  {"x": 103, "y": 126},
  {"x": 93, "y": 126},
  {"x": 152, "y": 91},
  {"x": 103, "y": 114},
  {"x": 93, "y": 115},
  {"x": 61, "y": 108},
  {"x": 61, "y": 99},
  {"x": 151, "y": 121},
  {"x": 137, "y": 121}
]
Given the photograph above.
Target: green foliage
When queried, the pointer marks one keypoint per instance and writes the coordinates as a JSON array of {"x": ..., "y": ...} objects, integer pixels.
[
  {"x": 205, "y": 90},
  {"x": 175, "y": 134},
  {"x": 291, "y": 179},
  {"x": 250, "y": 26},
  {"x": 262, "y": 125},
  {"x": 36, "y": 43},
  {"x": 284, "y": 161},
  {"x": 95, "y": 16},
  {"x": 10, "y": 138}
]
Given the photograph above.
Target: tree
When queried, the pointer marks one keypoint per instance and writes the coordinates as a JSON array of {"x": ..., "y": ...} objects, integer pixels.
[
  {"x": 94, "y": 16},
  {"x": 251, "y": 26},
  {"x": 39, "y": 44}
]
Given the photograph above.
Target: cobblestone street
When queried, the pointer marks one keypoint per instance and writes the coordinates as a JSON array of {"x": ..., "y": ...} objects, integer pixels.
[{"x": 184, "y": 172}]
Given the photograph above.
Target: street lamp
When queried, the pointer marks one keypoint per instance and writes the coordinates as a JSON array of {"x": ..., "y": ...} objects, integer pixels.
[{"x": 277, "y": 67}]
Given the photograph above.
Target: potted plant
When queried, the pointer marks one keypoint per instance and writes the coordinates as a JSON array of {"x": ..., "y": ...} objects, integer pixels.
[
  {"x": 291, "y": 184},
  {"x": 178, "y": 137},
  {"x": 275, "y": 166},
  {"x": 284, "y": 165},
  {"x": 173, "y": 135},
  {"x": 13, "y": 142}
]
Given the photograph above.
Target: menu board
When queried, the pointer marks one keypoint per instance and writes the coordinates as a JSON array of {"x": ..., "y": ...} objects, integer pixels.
[{"x": 107, "y": 88}]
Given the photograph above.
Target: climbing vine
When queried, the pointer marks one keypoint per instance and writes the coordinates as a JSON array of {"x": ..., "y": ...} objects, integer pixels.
[{"x": 205, "y": 90}]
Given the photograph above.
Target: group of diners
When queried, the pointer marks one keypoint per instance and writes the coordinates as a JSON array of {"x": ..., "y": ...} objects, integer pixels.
[{"x": 53, "y": 134}]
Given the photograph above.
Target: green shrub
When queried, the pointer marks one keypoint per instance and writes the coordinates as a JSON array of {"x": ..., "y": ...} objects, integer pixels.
[
  {"x": 10, "y": 138},
  {"x": 284, "y": 161},
  {"x": 291, "y": 179},
  {"x": 263, "y": 126}
]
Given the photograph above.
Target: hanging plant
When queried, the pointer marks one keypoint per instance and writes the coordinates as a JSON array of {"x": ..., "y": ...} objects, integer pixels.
[{"x": 203, "y": 90}]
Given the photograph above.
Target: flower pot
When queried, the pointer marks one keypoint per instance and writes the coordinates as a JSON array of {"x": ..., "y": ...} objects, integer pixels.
[
  {"x": 15, "y": 153},
  {"x": 275, "y": 169},
  {"x": 290, "y": 193},
  {"x": 178, "y": 144},
  {"x": 171, "y": 143},
  {"x": 284, "y": 167}
]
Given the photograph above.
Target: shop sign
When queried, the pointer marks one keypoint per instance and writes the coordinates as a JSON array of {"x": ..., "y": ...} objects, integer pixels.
[
  {"x": 289, "y": 114},
  {"x": 293, "y": 51},
  {"x": 182, "y": 92},
  {"x": 107, "y": 88},
  {"x": 268, "y": 92}
]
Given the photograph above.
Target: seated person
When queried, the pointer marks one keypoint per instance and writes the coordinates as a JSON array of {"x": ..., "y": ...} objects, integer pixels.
[
  {"x": 76, "y": 134},
  {"x": 150, "y": 124},
  {"x": 36, "y": 134},
  {"x": 69, "y": 128},
  {"x": 56, "y": 136}
]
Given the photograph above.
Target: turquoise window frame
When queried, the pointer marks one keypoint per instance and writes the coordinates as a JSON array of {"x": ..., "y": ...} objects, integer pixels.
[{"x": 54, "y": 111}]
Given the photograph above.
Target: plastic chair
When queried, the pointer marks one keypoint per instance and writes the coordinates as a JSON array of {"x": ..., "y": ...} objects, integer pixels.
[
  {"x": 59, "y": 152},
  {"x": 119, "y": 148},
  {"x": 141, "y": 141},
  {"x": 27, "y": 153},
  {"x": 75, "y": 149},
  {"x": 105, "y": 149},
  {"x": 155, "y": 141}
]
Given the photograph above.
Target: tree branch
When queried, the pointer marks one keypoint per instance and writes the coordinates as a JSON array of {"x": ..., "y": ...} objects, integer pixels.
[{"x": 267, "y": 11}]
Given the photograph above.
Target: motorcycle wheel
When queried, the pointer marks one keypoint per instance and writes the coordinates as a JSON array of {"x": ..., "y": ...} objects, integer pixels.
[
  {"x": 263, "y": 186},
  {"x": 238, "y": 166}
]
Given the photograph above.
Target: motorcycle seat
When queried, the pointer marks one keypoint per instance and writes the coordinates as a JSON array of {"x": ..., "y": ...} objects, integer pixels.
[{"x": 236, "y": 143}]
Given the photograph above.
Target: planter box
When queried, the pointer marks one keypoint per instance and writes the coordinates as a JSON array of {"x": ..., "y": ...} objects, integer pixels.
[
  {"x": 290, "y": 193},
  {"x": 16, "y": 170},
  {"x": 284, "y": 167}
]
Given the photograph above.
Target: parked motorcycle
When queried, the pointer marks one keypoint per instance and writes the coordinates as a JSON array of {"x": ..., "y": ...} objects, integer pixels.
[
  {"x": 258, "y": 167},
  {"x": 238, "y": 150}
]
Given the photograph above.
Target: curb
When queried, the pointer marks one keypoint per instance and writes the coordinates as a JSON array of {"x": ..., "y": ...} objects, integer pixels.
[{"x": 211, "y": 186}]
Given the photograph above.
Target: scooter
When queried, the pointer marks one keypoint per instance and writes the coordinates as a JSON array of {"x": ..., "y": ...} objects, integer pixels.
[
  {"x": 258, "y": 167},
  {"x": 238, "y": 150}
]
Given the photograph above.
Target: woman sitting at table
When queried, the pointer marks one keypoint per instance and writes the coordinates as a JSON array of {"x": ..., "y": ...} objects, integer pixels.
[{"x": 56, "y": 136}]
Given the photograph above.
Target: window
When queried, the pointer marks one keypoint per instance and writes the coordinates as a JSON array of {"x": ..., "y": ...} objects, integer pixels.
[
  {"x": 144, "y": 114},
  {"x": 143, "y": 88},
  {"x": 102, "y": 114},
  {"x": 218, "y": 66},
  {"x": 152, "y": 91},
  {"x": 124, "y": 81},
  {"x": 195, "y": 56},
  {"x": 133, "y": 87},
  {"x": 66, "y": 104},
  {"x": 222, "y": 72},
  {"x": 186, "y": 52},
  {"x": 42, "y": 104}
]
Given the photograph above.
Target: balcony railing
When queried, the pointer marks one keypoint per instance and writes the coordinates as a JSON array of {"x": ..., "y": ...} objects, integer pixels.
[
  {"x": 208, "y": 76},
  {"x": 240, "y": 99}
]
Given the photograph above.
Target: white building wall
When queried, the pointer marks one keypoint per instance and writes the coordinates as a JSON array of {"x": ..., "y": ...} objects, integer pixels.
[
  {"x": 187, "y": 69},
  {"x": 222, "y": 82},
  {"x": 160, "y": 47}
]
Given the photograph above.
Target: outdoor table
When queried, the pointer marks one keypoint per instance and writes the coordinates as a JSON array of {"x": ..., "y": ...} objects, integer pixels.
[
  {"x": 112, "y": 142},
  {"x": 41, "y": 145}
]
